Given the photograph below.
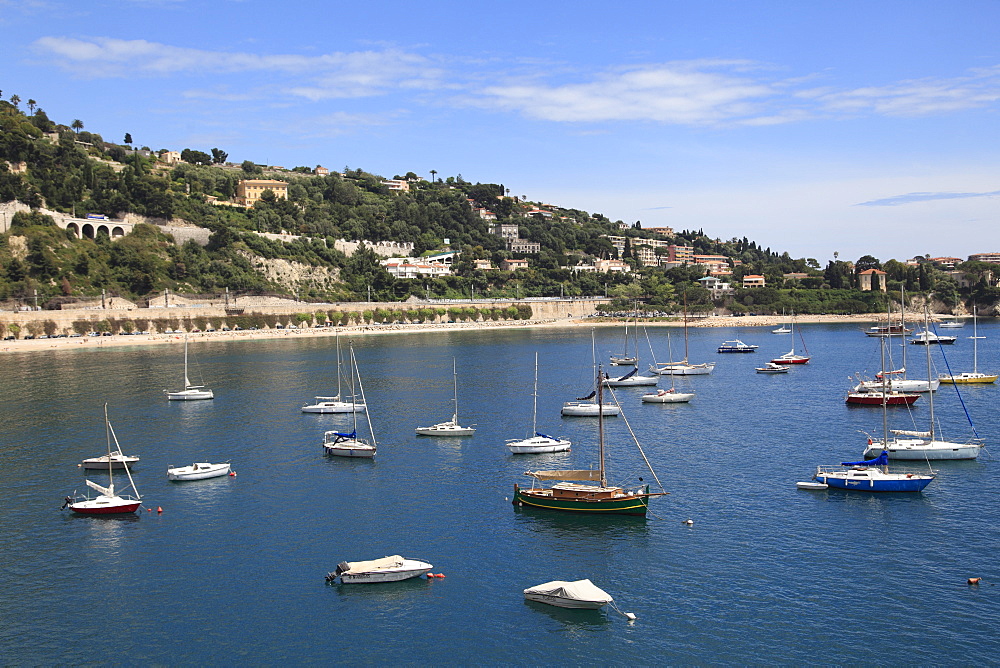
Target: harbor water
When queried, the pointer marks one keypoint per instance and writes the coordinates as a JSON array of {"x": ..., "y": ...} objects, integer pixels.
[{"x": 232, "y": 570}]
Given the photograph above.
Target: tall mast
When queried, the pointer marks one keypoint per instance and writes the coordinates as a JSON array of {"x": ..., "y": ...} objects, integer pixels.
[
  {"x": 930, "y": 390},
  {"x": 338, "y": 370},
  {"x": 187, "y": 382},
  {"x": 368, "y": 415},
  {"x": 685, "y": 327},
  {"x": 534, "y": 404},
  {"x": 975, "y": 342},
  {"x": 885, "y": 397},
  {"x": 454, "y": 373},
  {"x": 600, "y": 424}
]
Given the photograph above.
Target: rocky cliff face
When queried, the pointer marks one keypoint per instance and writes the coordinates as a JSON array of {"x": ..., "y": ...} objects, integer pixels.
[{"x": 294, "y": 275}]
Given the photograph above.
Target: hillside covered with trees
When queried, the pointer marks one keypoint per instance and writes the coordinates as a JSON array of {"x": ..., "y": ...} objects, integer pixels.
[{"x": 67, "y": 169}]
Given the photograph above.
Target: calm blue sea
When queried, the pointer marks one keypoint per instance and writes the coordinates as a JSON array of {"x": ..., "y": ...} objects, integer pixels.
[{"x": 232, "y": 571}]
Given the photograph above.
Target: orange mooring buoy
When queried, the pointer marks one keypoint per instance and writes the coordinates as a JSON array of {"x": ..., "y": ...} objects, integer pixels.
[
  {"x": 159, "y": 509},
  {"x": 974, "y": 581}
]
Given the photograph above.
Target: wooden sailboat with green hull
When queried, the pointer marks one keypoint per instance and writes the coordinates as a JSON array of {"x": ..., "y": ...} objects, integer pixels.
[{"x": 571, "y": 495}]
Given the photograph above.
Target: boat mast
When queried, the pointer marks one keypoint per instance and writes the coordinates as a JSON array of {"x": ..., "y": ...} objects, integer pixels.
[
  {"x": 454, "y": 373},
  {"x": 118, "y": 448},
  {"x": 885, "y": 397},
  {"x": 600, "y": 425},
  {"x": 187, "y": 382},
  {"x": 354, "y": 396},
  {"x": 368, "y": 414},
  {"x": 975, "y": 342},
  {"x": 534, "y": 404},
  {"x": 930, "y": 390},
  {"x": 685, "y": 328},
  {"x": 338, "y": 370}
]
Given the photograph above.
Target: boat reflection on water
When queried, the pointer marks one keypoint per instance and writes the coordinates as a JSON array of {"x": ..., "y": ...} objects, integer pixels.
[
  {"x": 572, "y": 619},
  {"x": 580, "y": 527},
  {"x": 386, "y": 592}
]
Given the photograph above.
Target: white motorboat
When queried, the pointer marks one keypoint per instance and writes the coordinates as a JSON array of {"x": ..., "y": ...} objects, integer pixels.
[
  {"x": 198, "y": 471},
  {"x": 811, "y": 485},
  {"x": 951, "y": 322},
  {"x": 190, "y": 392},
  {"x": 339, "y": 444},
  {"x": 451, "y": 427},
  {"x": 580, "y": 594},
  {"x": 115, "y": 460},
  {"x": 737, "y": 346},
  {"x": 107, "y": 501},
  {"x": 771, "y": 367},
  {"x": 539, "y": 443},
  {"x": 926, "y": 337},
  {"x": 386, "y": 569},
  {"x": 670, "y": 396},
  {"x": 335, "y": 404}
]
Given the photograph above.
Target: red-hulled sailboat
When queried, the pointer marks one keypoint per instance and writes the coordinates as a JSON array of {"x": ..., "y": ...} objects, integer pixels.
[{"x": 107, "y": 502}]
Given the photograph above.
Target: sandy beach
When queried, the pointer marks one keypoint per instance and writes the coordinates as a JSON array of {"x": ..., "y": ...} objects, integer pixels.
[{"x": 101, "y": 342}]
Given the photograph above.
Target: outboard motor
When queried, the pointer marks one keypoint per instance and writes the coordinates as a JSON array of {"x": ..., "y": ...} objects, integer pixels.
[{"x": 343, "y": 567}]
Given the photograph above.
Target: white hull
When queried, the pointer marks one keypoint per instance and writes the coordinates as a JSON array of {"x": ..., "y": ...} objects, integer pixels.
[
  {"x": 198, "y": 471},
  {"x": 623, "y": 361},
  {"x": 631, "y": 381},
  {"x": 190, "y": 395},
  {"x": 684, "y": 369},
  {"x": 346, "y": 449},
  {"x": 445, "y": 429},
  {"x": 537, "y": 445},
  {"x": 118, "y": 461},
  {"x": 668, "y": 397},
  {"x": 904, "y": 385},
  {"x": 917, "y": 449},
  {"x": 588, "y": 409},
  {"x": 334, "y": 407},
  {"x": 411, "y": 568}
]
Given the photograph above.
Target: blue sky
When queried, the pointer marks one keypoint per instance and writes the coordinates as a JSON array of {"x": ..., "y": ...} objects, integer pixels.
[{"x": 811, "y": 127}]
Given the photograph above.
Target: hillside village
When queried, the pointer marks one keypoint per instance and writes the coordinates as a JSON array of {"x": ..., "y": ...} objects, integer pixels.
[{"x": 84, "y": 221}]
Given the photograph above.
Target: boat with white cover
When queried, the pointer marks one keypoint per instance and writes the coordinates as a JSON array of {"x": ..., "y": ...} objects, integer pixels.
[
  {"x": 539, "y": 443},
  {"x": 340, "y": 444},
  {"x": 190, "y": 392},
  {"x": 198, "y": 471},
  {"x": 107, "y": 501},
  {"x": 335, "y": 404},
  {"x": 452, "y": 426},
  {"x": 578, "y": 594},
  {"x": 771, "y": 367},
  {"x": 116, "y": 460},
  {"x": 386, "y": 569}
]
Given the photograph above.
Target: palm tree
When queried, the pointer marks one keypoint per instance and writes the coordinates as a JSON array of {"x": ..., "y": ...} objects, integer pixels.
[
  {"x": 31, "y": 105},
  {"x": 433, "y": 174},
  {"x": 15, "y": 99},
  {"x": 77, "y": 125}
]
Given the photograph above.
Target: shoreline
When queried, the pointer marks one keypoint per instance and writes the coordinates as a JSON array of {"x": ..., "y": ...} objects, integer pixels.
[{"x": 119, "y": 341}]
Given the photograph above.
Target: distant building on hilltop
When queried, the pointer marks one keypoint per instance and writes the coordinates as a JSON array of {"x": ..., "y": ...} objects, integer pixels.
[
  {"x": 249, "y": 191},
  {"x": 870, "y": 278}
]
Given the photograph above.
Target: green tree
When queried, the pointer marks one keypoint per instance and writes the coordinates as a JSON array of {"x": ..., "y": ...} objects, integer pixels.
[{"x": 77, "y": 125}]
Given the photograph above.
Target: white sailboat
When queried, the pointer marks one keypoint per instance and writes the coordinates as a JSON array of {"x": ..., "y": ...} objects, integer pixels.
[
  {"x": 335, "y": 404},
  {"x": 451, "y": 427},
  {"x": 632, "y": 378},
  {"x": 538, "y": 443},
  {"x": 783, "y": 329},
  {"x": 190, "y": 392},
  {"x": 625, "y": 359},
  {"x": 896, "y": 380},
  {"x": 349, "y": 445},
  {"x": 922, "y": 445},
  {"x": 107, "y": 502},
  {"x": 586, "y": 406},
  {"x": 671, "y": 396},
  {"x": 974, "y": 376},
  {"x": 684, "y": 367}
]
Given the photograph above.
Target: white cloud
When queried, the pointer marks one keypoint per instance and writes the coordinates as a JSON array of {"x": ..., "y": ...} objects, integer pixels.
[
  {"x": 331, "y": 75},
  {"x": 910, "y": 198}
]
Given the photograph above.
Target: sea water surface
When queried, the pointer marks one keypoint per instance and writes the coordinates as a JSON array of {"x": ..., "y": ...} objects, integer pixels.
[{"x": 233, "y": 569}]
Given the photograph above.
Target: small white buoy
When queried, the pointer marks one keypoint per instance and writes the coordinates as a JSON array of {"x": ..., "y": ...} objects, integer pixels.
[
  {"x": 688, "y": 522},
  {"x": 631, "y": 617}
]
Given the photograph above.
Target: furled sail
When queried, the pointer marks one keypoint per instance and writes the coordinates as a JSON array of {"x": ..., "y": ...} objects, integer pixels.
[{"x": 106, "y": 491}]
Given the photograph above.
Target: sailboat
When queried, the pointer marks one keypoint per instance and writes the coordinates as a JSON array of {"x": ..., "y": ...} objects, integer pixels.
[
  {"x": 586, "y": 406},
  {"x": 783, "y": 329},
  {"x": 539, "y": 443},
  {"x": 625, "y": 359},
  {"x": 791, "y": 357},
  {"x": 632, "y": 378},
  {"x": 872, "y": 475},
  {"x": 190, "y": 392},
  {"x": 107, "y": 502},
  {"x": 684, "y": 367},
  {"x": 570, "y": 495},
  {"x": 451, "y": 427},
  {"x": 897, "y": 380},
  {"x": 923, "y": 445},
  {"x": 974, "y": 376},
  {"x": 335, "y": 404},
  {"x": 671, "y": 396},
  {"x": 339, "y": 444}
]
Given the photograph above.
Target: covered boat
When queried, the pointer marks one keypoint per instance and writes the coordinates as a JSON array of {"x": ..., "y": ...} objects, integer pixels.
[
  {"x": 581, "y": 594},
  {"x": 386, "y": 569},
  {"x": 737, "y": 346},
  {"x": 115, "y": 460}
]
